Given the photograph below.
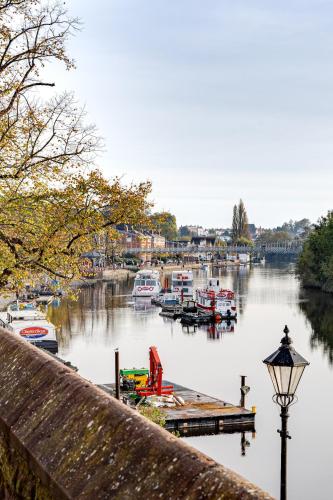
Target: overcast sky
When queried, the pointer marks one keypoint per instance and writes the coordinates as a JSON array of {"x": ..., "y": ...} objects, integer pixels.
[{"x": 213, "y": 101}]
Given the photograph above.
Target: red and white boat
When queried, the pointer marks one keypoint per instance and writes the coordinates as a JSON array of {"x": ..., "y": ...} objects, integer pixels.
[
  {"x": 31, "y": 324},
  {"x": 182, "y": 283},
  {"x": 219, "y": 301}
]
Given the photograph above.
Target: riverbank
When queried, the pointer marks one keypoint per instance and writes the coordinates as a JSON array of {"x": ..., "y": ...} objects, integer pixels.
[{"x": 124, "y": 274}]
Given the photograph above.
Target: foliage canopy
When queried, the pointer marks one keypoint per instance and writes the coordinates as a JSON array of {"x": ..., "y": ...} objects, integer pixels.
[
  {"x": 165, "y": 224},
  {"x": 52, "y": 199},
  {"x": 240, "y": 223},
  {"x": 315, "y": 264}
]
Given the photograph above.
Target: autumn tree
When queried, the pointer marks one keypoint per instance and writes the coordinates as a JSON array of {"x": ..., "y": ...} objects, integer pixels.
[
  {"x": 235, "y": 224},
  {"x": 240, "y": 230},
  {"x": 164, "y": 223},
  {"x": 52, "y": 198}
]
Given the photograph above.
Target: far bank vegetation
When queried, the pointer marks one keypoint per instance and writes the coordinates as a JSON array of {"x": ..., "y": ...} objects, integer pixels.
[{"x": 315, "y": 264}]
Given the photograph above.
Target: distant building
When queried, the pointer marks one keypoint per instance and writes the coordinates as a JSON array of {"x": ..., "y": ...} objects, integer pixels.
[
  {"x": 157, "y": 241},
  {"x": 178, "y": 243},
  {"x": 254, "y": 231},
  {"x": 203, "y": 241},
  {"x": 197, "y": 231},
  {"x": 224, "y": 237}
]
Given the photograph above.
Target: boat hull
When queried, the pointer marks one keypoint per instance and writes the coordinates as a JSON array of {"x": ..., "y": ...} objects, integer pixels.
[{"x": 224, "y": 313}]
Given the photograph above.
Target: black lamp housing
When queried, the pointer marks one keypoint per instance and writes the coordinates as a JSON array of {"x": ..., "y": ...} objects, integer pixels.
[{"x": 285, "y": 367}]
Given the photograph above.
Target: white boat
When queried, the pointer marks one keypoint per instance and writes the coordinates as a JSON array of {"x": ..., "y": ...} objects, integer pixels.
[
  {"x": 182, "y": 283},
  {"x": 244, "y": 258},
  {"x": 147, "y": 283},
  {"x": 218, "y": 301},
  {"x": 169, "y": 299},
  {"x": 32, "y": 325}
]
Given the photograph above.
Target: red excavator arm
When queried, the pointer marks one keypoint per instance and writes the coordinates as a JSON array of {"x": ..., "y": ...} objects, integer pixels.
[{"x": 155, "y": 377}]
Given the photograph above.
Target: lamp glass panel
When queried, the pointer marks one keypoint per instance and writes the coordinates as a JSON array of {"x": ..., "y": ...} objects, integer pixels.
[
  {"x": 295, "y": 378},
  {"x": 285, "y": 374},
  {"x": 271, "y": 372},
  {"x": 280, "y": 376}
]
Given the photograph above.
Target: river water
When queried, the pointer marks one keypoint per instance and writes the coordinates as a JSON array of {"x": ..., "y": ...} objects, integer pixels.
[{"x": 211, "y": 361}]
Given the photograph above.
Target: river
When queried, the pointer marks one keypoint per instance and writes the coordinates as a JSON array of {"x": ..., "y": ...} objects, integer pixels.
[{"x": 105, "y": 317}]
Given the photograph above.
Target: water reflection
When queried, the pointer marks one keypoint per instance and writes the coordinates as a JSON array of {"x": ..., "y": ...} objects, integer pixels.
[
  {"x": 143, "y": 304},
  {"x": 215, "y": 331},
  {"x": 318, "y": 309},
  {"x": 236, "y": 278},
  {"x": 90, "y": 316},
  {"x": 209, "y": 359},
  {"x": 245, "y": 443}
]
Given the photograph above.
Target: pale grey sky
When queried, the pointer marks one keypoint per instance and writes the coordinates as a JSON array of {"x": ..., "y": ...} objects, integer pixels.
[{"x": 213, "y": 101}]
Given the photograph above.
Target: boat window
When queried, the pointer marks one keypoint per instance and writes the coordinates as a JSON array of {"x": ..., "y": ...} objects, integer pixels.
[
  {"x": 226, "y": 303},
  {"x": 139, "y": 282},
  {"x": 188, "y": 283},
  {"x": 151, "y": 282}
]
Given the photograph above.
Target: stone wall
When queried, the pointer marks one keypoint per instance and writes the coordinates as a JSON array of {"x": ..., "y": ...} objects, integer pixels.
[{"x": 61, "y": 437}]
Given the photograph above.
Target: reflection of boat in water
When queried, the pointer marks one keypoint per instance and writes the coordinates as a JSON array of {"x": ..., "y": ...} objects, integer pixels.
[
  {"x": 147, "y": 283},
  {"x": 244, "y": 259},
  {"x": 189, "y": 329},
  {"x": 143, "y": 304},
  {"x": 216, "y": 330},
  {"x": 258, "y": 260}
]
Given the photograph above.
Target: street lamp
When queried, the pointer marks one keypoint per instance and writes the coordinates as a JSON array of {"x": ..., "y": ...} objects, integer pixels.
[{"x": 285, "y": 367}]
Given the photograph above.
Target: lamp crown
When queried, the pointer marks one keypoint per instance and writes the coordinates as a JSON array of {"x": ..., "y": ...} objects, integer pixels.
[{"x": 286, "y": 340}]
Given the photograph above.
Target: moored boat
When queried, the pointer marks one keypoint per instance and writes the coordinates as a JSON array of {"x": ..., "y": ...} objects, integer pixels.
[
  {"x": 182, "y": 283},
  {"x": 146, "y": 283},
  {"x": 32, "y": 325},
  {"x": 216, "y": 300}
]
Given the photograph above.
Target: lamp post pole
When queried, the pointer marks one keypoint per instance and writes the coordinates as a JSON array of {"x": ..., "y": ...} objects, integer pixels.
[{"x": 284, "y": 436}]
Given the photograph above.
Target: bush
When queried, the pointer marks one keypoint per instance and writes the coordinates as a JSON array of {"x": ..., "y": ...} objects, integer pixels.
[{"x": 153, "y": 414}]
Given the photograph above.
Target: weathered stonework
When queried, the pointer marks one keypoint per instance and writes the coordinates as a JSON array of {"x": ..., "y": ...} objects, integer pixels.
[{"x": 63, "y": 438}]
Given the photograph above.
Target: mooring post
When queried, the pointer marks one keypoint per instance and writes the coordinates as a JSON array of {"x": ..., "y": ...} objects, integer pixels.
[
  {"x": 243, "y": 390},
  {"x": 116, "y": 369}
]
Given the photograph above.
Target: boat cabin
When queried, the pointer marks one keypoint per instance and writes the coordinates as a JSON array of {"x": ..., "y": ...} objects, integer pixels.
[{"x": 182, "y": 283}]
